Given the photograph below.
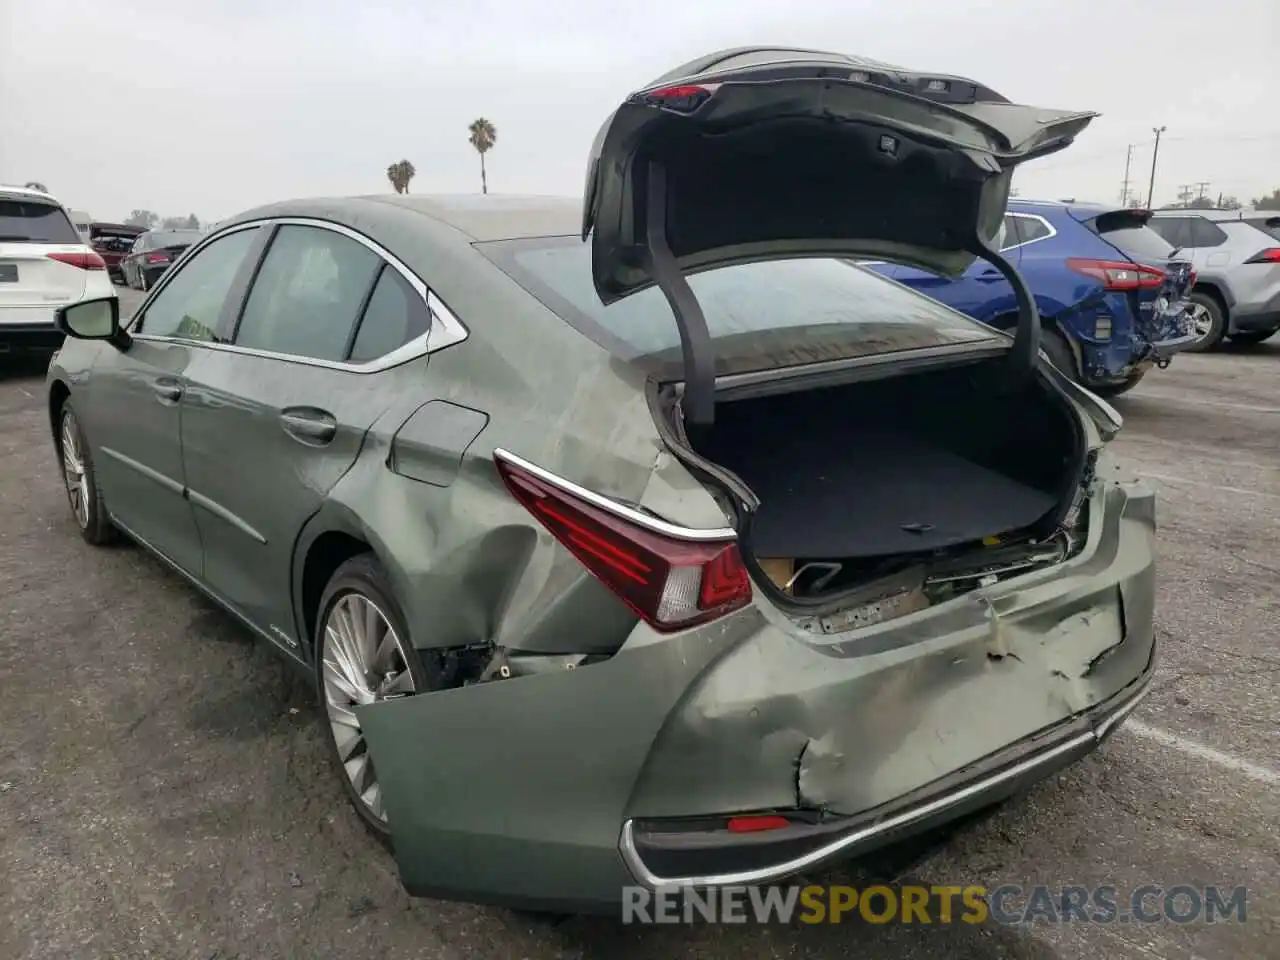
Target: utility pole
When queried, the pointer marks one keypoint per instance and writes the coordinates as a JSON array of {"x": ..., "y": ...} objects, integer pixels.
[
  {"x": 1124, "y": 188},
  {"x": 1151, "y": 188},
  {"x": 1184, "y": 194},
  {"x": 1202, "y": 186}
]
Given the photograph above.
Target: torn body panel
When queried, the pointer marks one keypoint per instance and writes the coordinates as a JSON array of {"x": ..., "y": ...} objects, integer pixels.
[{"x": 749, "y": 713}]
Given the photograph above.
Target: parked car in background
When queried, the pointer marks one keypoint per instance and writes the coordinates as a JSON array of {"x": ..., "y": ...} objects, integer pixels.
[
  {"x": 695, "y": 555},
  {"x": 1237, "y": 259},
  {"x": 153, "y": 253},
  {"x": 81, "y": 219},
  {"x": 44, "y": 264},
  {"x": 1112, "y": 297},
  {"x": 113, "y": 241}
]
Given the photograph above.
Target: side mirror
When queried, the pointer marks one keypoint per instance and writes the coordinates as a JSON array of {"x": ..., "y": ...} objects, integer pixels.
[{"x": 93, "y": 320}]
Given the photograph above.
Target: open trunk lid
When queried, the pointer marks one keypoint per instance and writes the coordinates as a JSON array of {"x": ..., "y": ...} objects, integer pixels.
[{"x": 767, "y": 153}]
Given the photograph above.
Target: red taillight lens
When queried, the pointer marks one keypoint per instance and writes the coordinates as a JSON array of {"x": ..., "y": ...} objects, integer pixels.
[
  {"x": 685, "y": 98},
  {"x": 157, "y": 258},
  {"x": 1118, "y": 274},
  {"x": 670, "y": 582},
  {"x": 1270, "y": 255},
  {"x": 85, "y": 261},
  {"x": 756, "y": 824}
]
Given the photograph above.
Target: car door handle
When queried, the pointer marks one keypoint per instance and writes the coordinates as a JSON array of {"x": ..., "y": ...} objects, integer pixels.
[
  {"x": 167, "y": 390},
  {"x": 990, "y": 276},
  {"x": 312, "y": 427}
]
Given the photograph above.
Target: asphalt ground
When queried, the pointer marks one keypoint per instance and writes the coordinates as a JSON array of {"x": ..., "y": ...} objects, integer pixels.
[{"x": 164, "y": 792}]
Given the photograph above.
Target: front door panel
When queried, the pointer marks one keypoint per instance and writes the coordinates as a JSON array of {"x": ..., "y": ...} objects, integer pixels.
[{"x": 133, "y": 416}]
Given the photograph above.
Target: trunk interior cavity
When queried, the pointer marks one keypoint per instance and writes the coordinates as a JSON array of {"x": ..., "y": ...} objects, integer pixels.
[{"x": 938, "y": 472}]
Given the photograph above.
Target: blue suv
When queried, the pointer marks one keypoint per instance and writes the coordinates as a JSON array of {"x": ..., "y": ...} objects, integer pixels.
[{"x": 1112, "y": 293}]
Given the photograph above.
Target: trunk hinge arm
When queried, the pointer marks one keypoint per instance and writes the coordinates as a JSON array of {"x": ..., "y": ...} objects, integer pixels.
[
  {"x": 699, "y": 400},
  {"x": 1026, "y": 337}
]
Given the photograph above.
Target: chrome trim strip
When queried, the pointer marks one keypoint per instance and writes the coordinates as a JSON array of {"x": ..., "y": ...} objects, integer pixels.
[
  {"x": 605, "y": 503},
  {"x": 644, "y": 875},
  {"x": 446, "y": 329},
  {"x": 167, "y": 482},
  {"x": 222, "y": 513}
]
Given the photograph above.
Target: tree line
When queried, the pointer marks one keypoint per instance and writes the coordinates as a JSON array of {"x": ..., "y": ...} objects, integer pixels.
[{"x": 153, "y": 221}]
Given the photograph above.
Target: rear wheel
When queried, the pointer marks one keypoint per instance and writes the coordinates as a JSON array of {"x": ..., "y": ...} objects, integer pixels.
[
  {"x": 1115, "y": 389},
  {"x": 1249, "y": 337},
  {"x": 1208, "y": 321},
  {"x": 81, "y": 481},
  {"x": 363, "y": 655}
]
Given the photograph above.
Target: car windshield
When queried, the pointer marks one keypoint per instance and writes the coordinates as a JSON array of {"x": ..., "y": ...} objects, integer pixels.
[
  {"x": 761, "y": 316},
  {"x": 32, "y": 221}
]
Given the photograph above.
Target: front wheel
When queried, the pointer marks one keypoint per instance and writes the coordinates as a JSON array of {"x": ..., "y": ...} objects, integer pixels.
[
  {"x": 363, "y": 655},
  {"x": 1248, "y": 338},
  {"x": 81, "y": 481}
]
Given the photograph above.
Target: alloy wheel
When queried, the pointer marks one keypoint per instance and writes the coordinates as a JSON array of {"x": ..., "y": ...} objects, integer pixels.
[
  {"x": 1201, "y": 321},
  {"x": 73, "y": 472},
  {"x": 363, "y": 662}
]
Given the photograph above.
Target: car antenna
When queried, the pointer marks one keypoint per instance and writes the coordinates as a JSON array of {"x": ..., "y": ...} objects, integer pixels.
[
  {"x": 699, "y": 399},
  {"x": 1026, "y": 337}
]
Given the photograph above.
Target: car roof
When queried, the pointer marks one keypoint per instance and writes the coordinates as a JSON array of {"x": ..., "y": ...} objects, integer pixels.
[
  {"x": 1216, "y": 215},
  {"x": 480, "y": 217},
  {"x": 17, "y": 193}
]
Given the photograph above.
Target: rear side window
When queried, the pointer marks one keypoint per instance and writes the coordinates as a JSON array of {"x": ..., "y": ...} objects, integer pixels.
[
  {"x": 1206, "y": 233},
  {"x": 308, "y": 294},
  {"x": 395, "y": 315},
  {"x": 191, "y": 302},
  {"x": 28, "y": 221},
  {"x": 761, "y": 316}
]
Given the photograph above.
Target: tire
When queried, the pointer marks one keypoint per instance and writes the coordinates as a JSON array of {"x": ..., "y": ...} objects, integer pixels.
[
  {"x": 1055, "y": 345},
  {"x": 81, "y": 480},
  {"x": 1115, "y": 389},
  {"x": 142, "y": 280},
  {"x": 1248, "y": 338},
  {"x": 361, "y": 580},
  {"x": 1209, "y": 318}
]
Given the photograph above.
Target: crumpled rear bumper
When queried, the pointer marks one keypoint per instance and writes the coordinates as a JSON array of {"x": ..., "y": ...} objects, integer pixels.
[{"x": 557, "y": 790}]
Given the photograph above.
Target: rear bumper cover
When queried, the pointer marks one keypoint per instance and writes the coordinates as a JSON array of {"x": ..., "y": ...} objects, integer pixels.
[
  {"x": 29, "y": 336},
  {"x": 662, "y": 855}
]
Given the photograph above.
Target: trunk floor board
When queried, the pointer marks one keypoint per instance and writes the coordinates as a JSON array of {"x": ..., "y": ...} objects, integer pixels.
[{"x": 899, "y": 494}]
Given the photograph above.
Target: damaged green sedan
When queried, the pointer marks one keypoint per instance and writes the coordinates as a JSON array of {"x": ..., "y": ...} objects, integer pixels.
[{"x": 645, "y": 539}]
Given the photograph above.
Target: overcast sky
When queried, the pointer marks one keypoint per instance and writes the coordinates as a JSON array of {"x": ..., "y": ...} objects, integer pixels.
[{"x": 215, "y": 107}]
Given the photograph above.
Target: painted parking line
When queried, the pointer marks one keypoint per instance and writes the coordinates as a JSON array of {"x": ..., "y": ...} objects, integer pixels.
[{"x": 1202, "y": 751}]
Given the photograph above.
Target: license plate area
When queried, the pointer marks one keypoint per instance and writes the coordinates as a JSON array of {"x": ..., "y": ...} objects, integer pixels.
[{"x": 8, "y": 273}]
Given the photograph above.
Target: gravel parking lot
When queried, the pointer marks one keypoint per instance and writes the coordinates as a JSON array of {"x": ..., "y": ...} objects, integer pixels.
[{"x": 163, "y": 791}]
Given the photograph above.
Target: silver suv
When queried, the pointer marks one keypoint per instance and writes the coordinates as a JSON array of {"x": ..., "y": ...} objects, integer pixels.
[{"x": 1236, "y": 254}]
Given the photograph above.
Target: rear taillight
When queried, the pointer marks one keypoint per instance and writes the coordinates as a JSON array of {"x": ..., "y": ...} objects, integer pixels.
[
  {"x": 669, "y": 580},
  {"x": 684, "y": 98},
  {"x": 157, "y": 258},
  {"x": 1270, "y": 255},
  {"x": 1117, "y": 274},
  {"x": 85, "y": 261},
  {"x": 756, "y": 824}
]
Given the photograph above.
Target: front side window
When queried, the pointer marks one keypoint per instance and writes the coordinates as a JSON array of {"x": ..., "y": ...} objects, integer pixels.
[
  {"x": 308, "y": 294},
  {"x": 191, "y": 302}
]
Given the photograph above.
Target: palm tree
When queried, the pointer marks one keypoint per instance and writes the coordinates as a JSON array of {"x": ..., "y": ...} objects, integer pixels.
[
  {"x": 483, "y": 135},
  {"x": 400, "y": 174}
]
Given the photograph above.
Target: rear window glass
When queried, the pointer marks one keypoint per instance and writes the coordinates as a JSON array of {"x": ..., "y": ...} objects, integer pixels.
[
  {"x": 169, "y": 238},
  {"x": 1268, "y": 225},
  {"x": 1138, "y": 242},
  {"x": 34, "y": 222},
  {"x": 760, "y": 315}
]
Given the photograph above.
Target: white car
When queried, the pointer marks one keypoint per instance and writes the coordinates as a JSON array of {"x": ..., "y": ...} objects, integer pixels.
[{"x": 44, "y": 264}]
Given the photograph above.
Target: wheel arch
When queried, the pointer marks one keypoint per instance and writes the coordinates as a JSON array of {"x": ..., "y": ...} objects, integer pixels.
[
  {"x": 59, "y": 393},
  {"x": 1048, "y": 321},
  {"x": 1215, "y": 290}
]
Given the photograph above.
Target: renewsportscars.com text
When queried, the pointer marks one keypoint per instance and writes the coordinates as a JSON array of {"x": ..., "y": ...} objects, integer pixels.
[{"x": 1008, "y": 905}]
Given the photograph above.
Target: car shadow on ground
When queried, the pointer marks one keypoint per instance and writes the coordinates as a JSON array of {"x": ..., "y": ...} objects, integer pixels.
[{"x": 1267, "y": 350}]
